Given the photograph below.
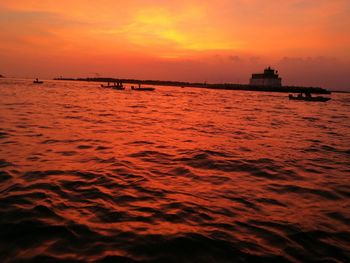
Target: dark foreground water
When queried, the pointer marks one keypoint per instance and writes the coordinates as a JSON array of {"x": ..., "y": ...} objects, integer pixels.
[{"x": 175, "y": 175}]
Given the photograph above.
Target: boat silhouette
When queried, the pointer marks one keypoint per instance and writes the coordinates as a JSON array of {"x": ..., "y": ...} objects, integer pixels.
[
  {"x": 308, "y": 98},
  {"x": 142, "y": 88},
  {"x": 117, "y": 87},
  {"x": 37, "y": 81}
]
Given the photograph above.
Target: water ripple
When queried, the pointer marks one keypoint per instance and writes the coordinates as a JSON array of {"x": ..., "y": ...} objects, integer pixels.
[{"x": 176, "y": 175}]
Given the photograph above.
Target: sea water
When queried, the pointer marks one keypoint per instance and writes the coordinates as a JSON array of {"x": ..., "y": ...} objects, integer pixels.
[{"x": 174, "y": 175}]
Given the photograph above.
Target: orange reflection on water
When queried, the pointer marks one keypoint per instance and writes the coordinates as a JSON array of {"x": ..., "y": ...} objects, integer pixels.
[{"x": 97, "y": 172}]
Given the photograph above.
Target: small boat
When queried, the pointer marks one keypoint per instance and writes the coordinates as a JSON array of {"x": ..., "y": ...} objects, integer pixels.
[
  {"x": 142, "y": 89},
  {"x": 37, "y": 81},
  {"x": 302, "y": 98}
]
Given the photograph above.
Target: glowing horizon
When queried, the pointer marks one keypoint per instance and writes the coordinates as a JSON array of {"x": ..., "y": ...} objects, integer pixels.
[{"x": 187, "y": 40}]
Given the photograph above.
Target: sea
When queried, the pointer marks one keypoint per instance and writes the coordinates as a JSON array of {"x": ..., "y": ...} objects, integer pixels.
[{"x": 92, "y": 174}]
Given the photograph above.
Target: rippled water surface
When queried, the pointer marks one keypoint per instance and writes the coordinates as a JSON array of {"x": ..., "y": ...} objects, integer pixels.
[{"x": 174, "y": 175}]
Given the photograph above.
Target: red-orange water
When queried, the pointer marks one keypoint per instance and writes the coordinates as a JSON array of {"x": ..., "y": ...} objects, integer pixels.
[{"x": 174, "y": 175}]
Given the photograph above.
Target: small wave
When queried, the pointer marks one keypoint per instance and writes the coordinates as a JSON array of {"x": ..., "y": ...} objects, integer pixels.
[
  {"x": 263, "y": 167},
  {"x": 243, "y": 201},
  {"x": 105, "y": 115},
  {"x": 343, "y": 190},
  {"x": 270, "y": 201},
  {"x": 4, "y": 163},
  {"x": 4, "y": 176},
  {"x": 83, "y": 147},
  {"x": 153, "y": 156},
  {"x": 318, "y": 246},
  {"x": 140, "y": 143},
  {"x": 311, "y": 119},
  {"x": 4, "y": 135},
  {"x": 285, "y": 189},
  {"x": 67, "y": 153},
  {"x": 102, "y": 148}
]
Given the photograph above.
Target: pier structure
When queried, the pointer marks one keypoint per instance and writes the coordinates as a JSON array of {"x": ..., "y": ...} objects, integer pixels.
[{"x": 269, "y": 78}]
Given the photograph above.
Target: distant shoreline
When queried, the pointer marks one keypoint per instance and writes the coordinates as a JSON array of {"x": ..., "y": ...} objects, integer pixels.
[
  {"x": 340, "y": 91},
  {"x": 223, "y": 86}
]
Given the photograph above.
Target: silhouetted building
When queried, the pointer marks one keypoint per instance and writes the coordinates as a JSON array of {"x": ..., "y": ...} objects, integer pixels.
[{"x": 268, "y": 78}]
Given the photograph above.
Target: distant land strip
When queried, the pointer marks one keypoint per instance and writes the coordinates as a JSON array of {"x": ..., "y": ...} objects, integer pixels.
[{"x": 223, "y": 86}]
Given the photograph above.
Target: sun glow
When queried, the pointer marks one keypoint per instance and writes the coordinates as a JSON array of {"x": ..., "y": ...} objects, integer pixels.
[
  {"x": 137, "y": 31},
  {"x": 160, "y": 29}
]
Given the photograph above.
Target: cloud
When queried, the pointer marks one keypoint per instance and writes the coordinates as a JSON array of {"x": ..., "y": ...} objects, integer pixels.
[
  {"x": 234, "y": 58},
  {"x": 22, "y": 30}
]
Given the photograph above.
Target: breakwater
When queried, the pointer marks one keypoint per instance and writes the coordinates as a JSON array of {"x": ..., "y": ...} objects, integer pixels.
[{"x": 223, "y": 86}]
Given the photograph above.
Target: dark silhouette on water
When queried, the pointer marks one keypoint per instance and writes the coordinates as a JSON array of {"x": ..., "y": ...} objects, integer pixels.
[
  {"x": 118, "y": 85},
  {"x": 142, "y": 89},
  {"x": 37, "y": 81},
  {"x": 308, "y": 97}
]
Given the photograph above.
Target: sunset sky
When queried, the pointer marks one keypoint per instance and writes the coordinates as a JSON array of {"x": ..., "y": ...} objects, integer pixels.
[{"x": 194, "y": 40}]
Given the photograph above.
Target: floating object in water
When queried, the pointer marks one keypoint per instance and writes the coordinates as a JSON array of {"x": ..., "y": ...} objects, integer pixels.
[
  {"x": 37, "y": 81},
  {"x": 309, "y": 98},
  {"x": 117, "y": 87},
  {"x": 143, "y": 89}
]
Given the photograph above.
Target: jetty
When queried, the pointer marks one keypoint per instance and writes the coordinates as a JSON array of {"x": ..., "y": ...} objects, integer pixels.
[{"x": 268, "y": 81}]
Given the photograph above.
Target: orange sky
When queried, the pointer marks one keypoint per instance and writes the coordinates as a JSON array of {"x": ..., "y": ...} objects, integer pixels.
[{"x": 214, "y": 41}]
